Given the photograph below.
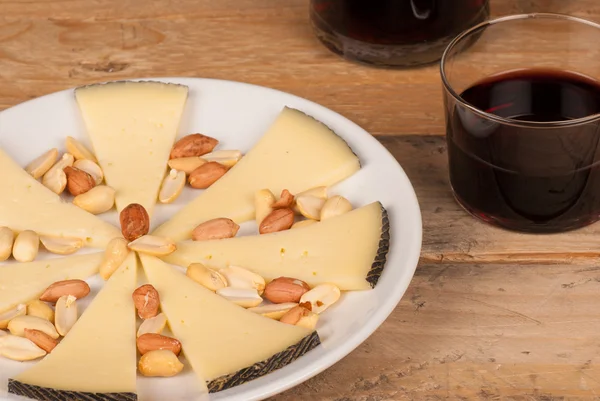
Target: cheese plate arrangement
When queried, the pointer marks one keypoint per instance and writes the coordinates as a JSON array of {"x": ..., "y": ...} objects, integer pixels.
[{"x": 191, "y": 239}]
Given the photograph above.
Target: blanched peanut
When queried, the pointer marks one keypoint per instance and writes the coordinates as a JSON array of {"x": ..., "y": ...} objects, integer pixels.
[
  {"x": 114, "y": 255},
  {"x": 26, "y": 246},
  {"x": 7, "y": 238},
  {"x": 207, "y": 277},
  {"x": 159, "y": 363}
]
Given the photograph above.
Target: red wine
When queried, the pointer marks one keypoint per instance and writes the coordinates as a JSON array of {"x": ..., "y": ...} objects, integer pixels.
[
  {"x": 393, "y": 32},
  {"x": 522, "y": 177}
]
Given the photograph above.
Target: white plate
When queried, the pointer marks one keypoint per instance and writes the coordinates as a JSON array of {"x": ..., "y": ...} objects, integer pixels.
[{"x": 238, "y": 114}]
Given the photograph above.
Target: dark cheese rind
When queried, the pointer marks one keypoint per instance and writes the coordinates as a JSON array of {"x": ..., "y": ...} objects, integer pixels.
[
  {"x": 382, "y": 250},
  {"x": 121, "y": 82},
  {"x": 51, "y": 394},
  {"x": 259, "y": 369}
]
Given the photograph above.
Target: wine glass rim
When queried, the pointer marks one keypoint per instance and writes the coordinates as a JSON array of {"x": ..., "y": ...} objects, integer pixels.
[{"x": 494, "y": 117}]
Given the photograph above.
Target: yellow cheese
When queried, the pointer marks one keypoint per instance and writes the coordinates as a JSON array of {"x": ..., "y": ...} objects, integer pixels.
[
  {"x": 219, "y": 338},
  {"x": 98, "y": 355},
  {"x": 22, "y": 282},
  {"x": 347, "y": 250},
  {"x": 132, "y": 126},
  {"x": 26, "y": 204},
  {"x": 296, "y": 153}
]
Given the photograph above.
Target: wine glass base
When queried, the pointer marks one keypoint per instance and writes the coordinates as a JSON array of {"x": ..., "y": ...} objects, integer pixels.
[
  {"x": 401, "y": 55},
  {"x": 525, "y": 226},
  {"x": 384, "y": 56}
]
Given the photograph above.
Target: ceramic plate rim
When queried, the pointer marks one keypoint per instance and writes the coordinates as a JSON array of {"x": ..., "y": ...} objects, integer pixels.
[{"x": 271, "y": 387}]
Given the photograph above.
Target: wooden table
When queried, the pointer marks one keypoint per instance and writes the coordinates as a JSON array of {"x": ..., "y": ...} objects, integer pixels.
[{"x": 489, "y": 314}]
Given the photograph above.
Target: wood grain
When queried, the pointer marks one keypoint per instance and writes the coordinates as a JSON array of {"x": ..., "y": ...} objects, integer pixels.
[
  {"x": 477, "y": 332},
  {"x": 491, "y": 315},
  {"x": 47, "y": 46},
  {"x": 452, "y": 235}
]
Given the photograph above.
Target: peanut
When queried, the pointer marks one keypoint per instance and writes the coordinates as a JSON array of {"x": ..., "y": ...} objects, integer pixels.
[
  {"x": 90, "y": 167},
  {"x": 20, "y": 349},
  {"x": 41, "y": 339},
  {"x": 10, "y": 314},
  {"x": 78, "y": 150},
  {"x": 274, "y": 311},
  {"x": 244, "y": 297},
  {"x": 238, "y": 277},
  {"x": 335, "y": 206},
  {"x": 321, "y": 297},
  {"x": 285, "y": 289},
  {"x": 146, "y": 301},
  {"x": 26, "y": 246},
  {"x": 7, "y": 238},
  {"x": 97, "y": 200},
  {"x": 285, "y": 200},
  {"x": 172, "y": 186},
  {"x": 263, "y": 204},
  {"x": 215, "y": 229},
  {"x": 66, "y": 314},
  {"x": 77, "y": 288},
  {"x": 61, "y": 245},
  {"x": 40, "y": 309},
  {"x": 135, "y": 221},
  {"x": 114, "y": 255},
  {"x": 277, "y": 220},
  {"x": 154, "y": 325},
  {"x": 206, "y": 175},
  {"x": 40, "y": 166},
  {"x": 18, "y": 325},
  {"x": 310, "y": 206},
  {"x": 152, "y": 342},
  {"x": 159, "y": 363},
  {"x": 78, "y": 181},
  {"x": 300, "y": 316},
  {"x": 153, "y": 245},
  {"x": 206, "y": 277},
  {"x": 228, "y": 158},
  {"x": 193, "y": 145},
  {"x": 186, "y": 164},
  {"x": 293, "y": 315},
  {"x": 55, "y": 179}
]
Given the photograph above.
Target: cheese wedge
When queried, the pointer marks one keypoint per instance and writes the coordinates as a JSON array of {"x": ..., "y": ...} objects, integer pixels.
[
  {"x": 22, "y": 282},
  {"x": 97, "y": 358},
  {"x": 297, "y": 153},
  {"x": 224, "y": 343},
  {"x": 25, "y": 204},
  {"x": 132, "y": 126},
  {"x": 348, "y": 250}
]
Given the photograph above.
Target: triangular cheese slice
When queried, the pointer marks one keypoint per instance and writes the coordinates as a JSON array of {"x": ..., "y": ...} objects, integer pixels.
[
  {"x": 297, "y": 153},
  {"x": 98, "y": 355},
  {"x": 224, "y": 343},
  {"x": 25, "y": 204},
  {"x": 348, "y": 250},
  {"x": 22, "y": 282},
  {"x": 132, "y": 127}
]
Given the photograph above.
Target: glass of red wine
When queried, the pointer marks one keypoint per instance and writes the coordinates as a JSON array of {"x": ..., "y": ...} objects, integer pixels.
[
  {"x": 393, "y": 33},
  {"x": 522, "y": 100}
]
